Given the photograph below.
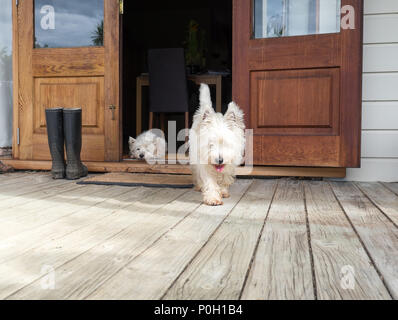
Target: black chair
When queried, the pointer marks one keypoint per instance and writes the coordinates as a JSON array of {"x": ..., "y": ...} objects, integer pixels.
[{"x": 168, "y": 90}]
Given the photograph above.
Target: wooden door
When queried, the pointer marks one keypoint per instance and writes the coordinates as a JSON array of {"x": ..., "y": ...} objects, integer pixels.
[
  {"x": 68, "y": 55},
  {"x": 297, "y": 72}
]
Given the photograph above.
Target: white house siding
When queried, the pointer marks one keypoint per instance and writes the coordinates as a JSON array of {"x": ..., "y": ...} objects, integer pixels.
[{"x": 380, "y": 94}]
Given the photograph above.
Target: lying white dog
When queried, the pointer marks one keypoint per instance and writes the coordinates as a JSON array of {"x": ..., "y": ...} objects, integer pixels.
[
  {"x": 147, "y": 146},
  {"x": 216, "y": 147}
]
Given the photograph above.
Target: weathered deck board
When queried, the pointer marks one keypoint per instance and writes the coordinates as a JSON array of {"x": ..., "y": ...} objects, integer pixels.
[
  {"x": 12, "y": 175},
  {"x": 393, "y": 186},
  {"x": 27, "y": 218},
  {"x": 219, "y": 270},
  {"x": 33, "y": 197},
  {"x": 25, "y": 179},
  {"x": 336, "y": 249},
  {"x": 383, "y": 198},
  {"x": 139, "y": 243},
  {"x": 376, "y": 231},
  {"x": 150, "y": 275},
  {"x": 282, "y": 266},
  {"x": 75, "y": 243},
  {"x": 81, "y": 276},
  {"x": 28, "y": 186},
  {"x": 84, "y": 220},
  {"x": 15, "y": 177}
]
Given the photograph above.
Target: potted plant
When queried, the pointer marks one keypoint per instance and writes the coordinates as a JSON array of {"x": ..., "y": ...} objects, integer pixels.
[{"x": 195, "y": 48}]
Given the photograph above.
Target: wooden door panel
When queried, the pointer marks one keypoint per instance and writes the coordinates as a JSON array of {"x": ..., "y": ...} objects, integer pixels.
[
  {"x": 84, "y": 92},
  {"x": 68, "y": 62},
  {"x": 295, "y": 101},
  {"x": 301, "y": 95},
  {"x": 93, "y": 153},
  {"x": 322, "y": 50},
  {"x": 86, "y": 77},
  {"x": 285, "y": 151}
]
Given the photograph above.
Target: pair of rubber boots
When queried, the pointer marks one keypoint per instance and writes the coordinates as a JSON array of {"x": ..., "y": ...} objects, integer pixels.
[{"x": 64, "y": 128}]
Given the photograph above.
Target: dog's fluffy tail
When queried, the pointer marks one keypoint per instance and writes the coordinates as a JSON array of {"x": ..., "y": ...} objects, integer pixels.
[
  {"x": 204, "y": 96},
  {"x": 205, "y": 105}
]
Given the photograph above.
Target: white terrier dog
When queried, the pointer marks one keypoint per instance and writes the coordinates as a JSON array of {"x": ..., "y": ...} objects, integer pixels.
[
  {"x": 216, "y": 147},
  {"x": 148, "y": 146}
]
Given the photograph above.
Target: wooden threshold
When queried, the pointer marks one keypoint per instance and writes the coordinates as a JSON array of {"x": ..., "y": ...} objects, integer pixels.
[{"x": 142, "y": 167}]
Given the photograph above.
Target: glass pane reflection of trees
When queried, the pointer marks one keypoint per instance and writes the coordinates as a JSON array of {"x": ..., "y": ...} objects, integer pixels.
[
  {"x": 5, "y": 76},
  {"x": 66, "y": 24},
  {"x": 283, "y": 18}
]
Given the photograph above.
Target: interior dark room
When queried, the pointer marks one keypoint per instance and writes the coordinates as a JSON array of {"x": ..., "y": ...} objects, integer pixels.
[{"x": 170, "y": 24}]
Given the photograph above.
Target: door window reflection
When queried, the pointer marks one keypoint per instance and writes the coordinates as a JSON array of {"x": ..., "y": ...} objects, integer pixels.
[
  {"x": 282, "y": 18},
  {"x": 72, "y": 23},
  {"x": 5, "y": 78}
]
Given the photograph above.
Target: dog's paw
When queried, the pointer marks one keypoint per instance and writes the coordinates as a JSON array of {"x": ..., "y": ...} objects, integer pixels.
[
  {"x": 213, "y": 201},
  {"x": 225, "y": 194}
]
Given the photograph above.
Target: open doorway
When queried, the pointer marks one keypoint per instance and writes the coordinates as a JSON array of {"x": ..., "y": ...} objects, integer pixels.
[{"x": 156, "y": 24}]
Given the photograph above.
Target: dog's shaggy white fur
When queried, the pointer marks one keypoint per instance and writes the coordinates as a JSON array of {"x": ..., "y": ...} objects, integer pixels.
[
  {"x": 216, "y": 147},
  {"x": 148, "y": 146}
]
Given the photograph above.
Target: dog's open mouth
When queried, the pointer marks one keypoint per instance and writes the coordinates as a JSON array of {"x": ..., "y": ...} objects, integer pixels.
[{"x": 219, "y": 167}]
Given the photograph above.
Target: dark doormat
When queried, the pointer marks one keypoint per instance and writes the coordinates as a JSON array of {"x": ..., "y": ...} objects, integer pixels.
[{"x": 141, "y": 179}]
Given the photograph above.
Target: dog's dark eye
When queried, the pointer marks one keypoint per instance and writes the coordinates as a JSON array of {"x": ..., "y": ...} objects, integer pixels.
[{"x": 138, "y": 149}]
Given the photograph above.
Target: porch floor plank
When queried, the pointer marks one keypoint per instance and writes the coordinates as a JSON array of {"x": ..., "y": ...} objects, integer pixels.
[
  {"x": 219, "y": 270},
  {"x": 27, "y": 185},
  {"x": 377, "y": 232},
  {"x": 29, "y": 216},
  {"x": 393, "y": 186},
  {"x": 282, "y": 265},
  {"x": 337, "y": 250},
  {"x": 88, "y": 217},
  {"x": 273, "y": 239},
  {"x": 152, "y": 273},
  {"x": 107, "y": 219},
  {"x": 383, "y": 198},
  {"x": 137, "y": 226},
  {"x": 13, "y": 177},
  {"x": 34, "y": 197}
]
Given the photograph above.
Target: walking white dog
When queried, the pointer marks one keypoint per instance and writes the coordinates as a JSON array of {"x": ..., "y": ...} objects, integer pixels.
[
  {"x": 216, "y": 147},
  {"x": 148, "y": 146}
]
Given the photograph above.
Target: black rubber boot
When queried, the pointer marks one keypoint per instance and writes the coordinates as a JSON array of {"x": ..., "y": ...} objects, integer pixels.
[
  {"x": 75, "y": 169},
  {"x": 55, "y": 132}
]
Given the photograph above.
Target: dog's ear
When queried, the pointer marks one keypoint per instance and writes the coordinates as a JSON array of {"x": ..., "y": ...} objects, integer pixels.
[
  {"x": 234, "y": 116},
  {"x": 131, "y": 140},
  {"x": 205, "y": 106}
]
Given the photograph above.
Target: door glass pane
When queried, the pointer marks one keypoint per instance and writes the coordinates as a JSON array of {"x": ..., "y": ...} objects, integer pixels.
[
  {"x": 5, "y": 77},
  {"x": 71, "y": 23},
  {"x": 283, "y": 18}
]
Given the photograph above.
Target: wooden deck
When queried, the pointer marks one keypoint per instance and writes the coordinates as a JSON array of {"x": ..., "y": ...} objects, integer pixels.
[{"x": 273, "y": 239}]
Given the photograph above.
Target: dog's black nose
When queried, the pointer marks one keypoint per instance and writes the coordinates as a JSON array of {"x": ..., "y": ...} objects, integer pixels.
[
  {"x": 142, "y": 155},
  {"x": 220, "y": 160}
]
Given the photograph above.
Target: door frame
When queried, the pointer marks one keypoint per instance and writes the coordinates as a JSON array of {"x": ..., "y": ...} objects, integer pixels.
[
  {"x": 112, "y": 166},
  {"x": 15, "y": 82}
]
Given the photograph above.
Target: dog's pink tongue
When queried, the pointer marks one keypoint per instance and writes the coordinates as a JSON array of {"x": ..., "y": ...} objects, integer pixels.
[{"x": 219, "y": 168}]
